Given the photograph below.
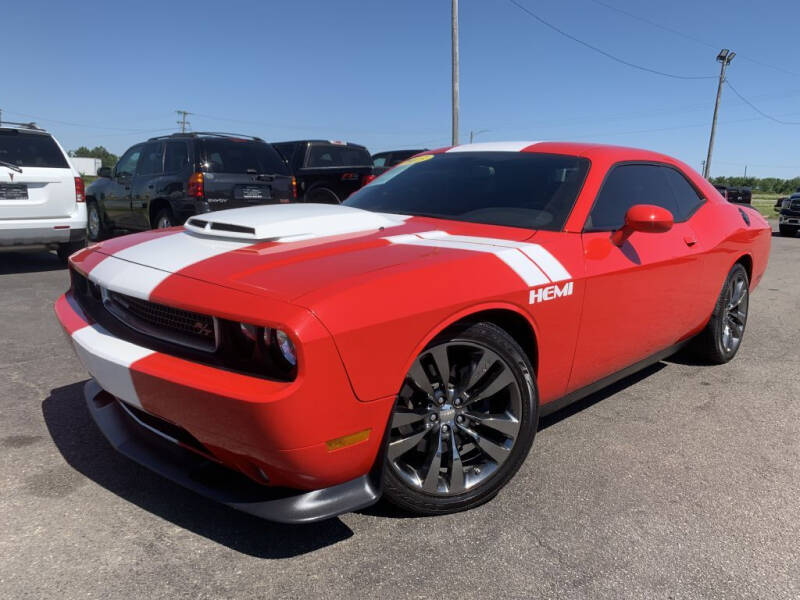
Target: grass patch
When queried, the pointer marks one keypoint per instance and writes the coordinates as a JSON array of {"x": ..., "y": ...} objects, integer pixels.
[{"x": 765, "y": 203}]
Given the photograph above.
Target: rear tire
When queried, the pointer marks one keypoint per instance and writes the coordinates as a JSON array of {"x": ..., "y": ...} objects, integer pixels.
[
  {"x": 788, "y": 230},
  {"x": 65, "y": 250},
  {"x": 322, "y": 195},
  {"x": 96, "y": 229},
  {"x": 720, "y": 340},
  {"x": 164, "y": 219},
  {"x": 455, "y": 441}
]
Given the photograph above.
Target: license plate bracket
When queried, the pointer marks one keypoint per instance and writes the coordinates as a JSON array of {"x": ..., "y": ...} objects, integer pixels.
[{"x": 13, "y": 191}]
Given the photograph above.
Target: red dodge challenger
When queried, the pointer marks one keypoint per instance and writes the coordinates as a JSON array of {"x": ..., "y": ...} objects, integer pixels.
[{"x": 298, "y": 361}]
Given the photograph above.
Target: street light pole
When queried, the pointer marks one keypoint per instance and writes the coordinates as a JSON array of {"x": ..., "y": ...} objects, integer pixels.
[
  {"x": 725, "y": 57},
  {"x": 454, "y": 36},
  {"x": 474, "y": 134}
]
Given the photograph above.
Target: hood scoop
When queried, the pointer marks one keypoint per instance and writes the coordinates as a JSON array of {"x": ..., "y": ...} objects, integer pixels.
[{"x": 289, "y": 222}]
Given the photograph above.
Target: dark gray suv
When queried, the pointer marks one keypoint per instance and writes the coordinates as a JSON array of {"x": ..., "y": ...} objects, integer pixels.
[{"x": 165, "y": 180}]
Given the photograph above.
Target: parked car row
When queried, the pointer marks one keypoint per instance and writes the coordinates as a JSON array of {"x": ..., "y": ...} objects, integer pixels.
[{"x": 163, "y": 181}]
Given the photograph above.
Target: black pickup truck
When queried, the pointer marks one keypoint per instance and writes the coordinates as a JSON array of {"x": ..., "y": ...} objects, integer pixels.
[
  {"x": 789, "y": 217},
  {"x": 737, "y": 195},
  {"x": 326, "y": 171}
]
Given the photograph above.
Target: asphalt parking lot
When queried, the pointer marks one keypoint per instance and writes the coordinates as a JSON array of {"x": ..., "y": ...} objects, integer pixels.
[{"x": 680, "y": 482}]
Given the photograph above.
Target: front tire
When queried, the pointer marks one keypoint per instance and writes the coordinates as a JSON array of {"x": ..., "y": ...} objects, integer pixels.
[
  {"x": 65, "y": 250},
  {"x": 464, "y": 421},
  {"x": 720, "y": 340}
]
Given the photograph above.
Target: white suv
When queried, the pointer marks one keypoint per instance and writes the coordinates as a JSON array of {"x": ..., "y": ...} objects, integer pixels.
[{"x": 41, "y": 194}]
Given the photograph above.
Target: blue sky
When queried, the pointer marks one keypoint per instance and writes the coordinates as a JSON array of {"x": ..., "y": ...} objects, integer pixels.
[{"x": 378, "y": 73}]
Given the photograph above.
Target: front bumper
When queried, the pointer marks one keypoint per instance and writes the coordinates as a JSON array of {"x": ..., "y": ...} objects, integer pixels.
[
  {"x": 789, "y": 217},
  {"x": 27, "y": 232},
  {"x": 273, "y": 432},
  {"x": 207, "y": 478}
]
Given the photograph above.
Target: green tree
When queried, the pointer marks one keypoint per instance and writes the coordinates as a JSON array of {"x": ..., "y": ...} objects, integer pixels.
[{"x": 108, "y": 159}]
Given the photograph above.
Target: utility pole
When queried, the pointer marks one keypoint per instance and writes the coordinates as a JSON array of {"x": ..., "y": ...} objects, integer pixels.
[
  {"x": 474, "y": 134},
  {"x": 183, "y": 122},
  {"x": 454, "y": 36},
  {"x": 725, "y": 57},
  {"x": 745, "y": 171}
]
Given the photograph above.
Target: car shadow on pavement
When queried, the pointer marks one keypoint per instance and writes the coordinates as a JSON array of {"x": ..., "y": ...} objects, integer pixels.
[
  {"x": 18, "y": 261},
  {"x": 87, "y": 451}
]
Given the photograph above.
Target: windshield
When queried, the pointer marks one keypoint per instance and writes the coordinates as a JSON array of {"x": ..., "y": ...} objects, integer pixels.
[
  {"x": 30, "y": 150},
  {"x": 516, "y": 189},
  {"x": 242, "y": 156}
]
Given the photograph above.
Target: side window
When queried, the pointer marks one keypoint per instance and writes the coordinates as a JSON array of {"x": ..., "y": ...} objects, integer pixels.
[
  {"x": 151, "y": 162},
  {"x": 625, "y": 186},
  {"x": 286, "y": 151},
  {"x": 126, "y": 166},
  {"x": 379, "y": 160},
  {"x": 176, "y": 157},
  {"x": 686, "y": 196}
]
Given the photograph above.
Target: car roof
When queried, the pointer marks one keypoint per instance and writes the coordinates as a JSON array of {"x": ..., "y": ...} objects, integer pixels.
[
  {"x": 23, "y": 128},
  {"x": 334, "y": 142},
  {"x": 206, "y": 134},
  {"x": 583, "y": 149}
]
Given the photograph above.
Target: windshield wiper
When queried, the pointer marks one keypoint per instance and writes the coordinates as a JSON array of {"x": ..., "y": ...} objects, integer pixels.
[{"x": 11, "y": 166}]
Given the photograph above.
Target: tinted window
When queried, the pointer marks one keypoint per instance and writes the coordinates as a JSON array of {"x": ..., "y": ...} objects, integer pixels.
[
  {"x": 334, "y": 155},
  {"x": 127, "y": 164},
  {"x": 286, "y": 150},
  {"x": 176, "y": 157},
  {"x": 687, "y": 198},
  {"x": 517, "y": 189},
  {"x": 151, "y": 161},
  {"x": 30, "y": 150},
  {"x": 625, "y": 186},
  {"x": 379, "y": 160},
  {"x": 242, "y": 156}
]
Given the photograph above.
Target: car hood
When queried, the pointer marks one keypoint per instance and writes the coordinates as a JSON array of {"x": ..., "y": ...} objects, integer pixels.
[{"x": 295, "y": 252}]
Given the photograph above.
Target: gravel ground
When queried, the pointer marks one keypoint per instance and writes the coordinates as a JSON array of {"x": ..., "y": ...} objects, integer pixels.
[{"x": 679, "y": 482}]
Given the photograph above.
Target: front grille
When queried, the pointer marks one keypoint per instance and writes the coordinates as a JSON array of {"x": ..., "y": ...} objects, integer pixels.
[{"x": 184, "y": 327}]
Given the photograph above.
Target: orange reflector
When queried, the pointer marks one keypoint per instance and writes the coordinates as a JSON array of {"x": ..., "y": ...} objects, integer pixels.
[{"x": 347, "y": 440}]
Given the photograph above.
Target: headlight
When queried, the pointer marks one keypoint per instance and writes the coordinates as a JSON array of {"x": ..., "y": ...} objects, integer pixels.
[
  {"x": 286, "y": 347},
  {"x": 257, "y": 350}
]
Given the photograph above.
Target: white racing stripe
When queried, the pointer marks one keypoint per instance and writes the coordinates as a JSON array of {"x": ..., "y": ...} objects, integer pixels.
[
  {"x": 492, "y": 147},
  {"x": 108, "y": 359},
  {"x": 531, "y": 262},
  {"x": 138, "y": 270}
]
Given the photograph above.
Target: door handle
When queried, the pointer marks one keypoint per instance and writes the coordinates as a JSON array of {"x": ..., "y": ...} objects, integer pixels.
[{"x": 690, "y": 240}]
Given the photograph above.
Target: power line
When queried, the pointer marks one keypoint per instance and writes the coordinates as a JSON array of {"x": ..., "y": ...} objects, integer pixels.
[
  {"x": 758, "y": 110},
  {"x": 687, "y": 36},
  {"x": 72, "y": 124},
  {"x": 603, "y": 52}
]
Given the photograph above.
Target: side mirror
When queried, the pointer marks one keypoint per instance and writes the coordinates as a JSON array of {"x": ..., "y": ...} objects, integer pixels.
[
  {"x": 646, "y": 218},
  {"x": 104, "y": 172}
]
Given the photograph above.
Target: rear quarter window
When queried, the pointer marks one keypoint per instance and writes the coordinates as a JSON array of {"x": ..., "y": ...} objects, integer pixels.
[
  {"x": 335, "y": 155},
  {"x": 31, "y": 150},
  {"x": 245, "y": 156}
]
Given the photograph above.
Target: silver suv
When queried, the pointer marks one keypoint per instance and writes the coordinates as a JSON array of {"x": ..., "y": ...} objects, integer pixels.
[{"x": 41, "y": 194}]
